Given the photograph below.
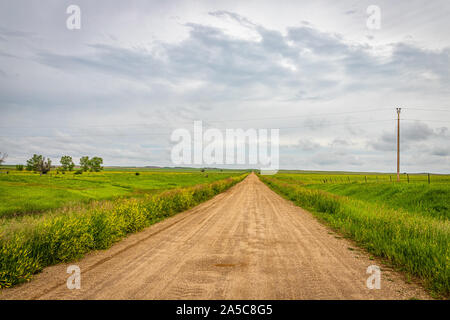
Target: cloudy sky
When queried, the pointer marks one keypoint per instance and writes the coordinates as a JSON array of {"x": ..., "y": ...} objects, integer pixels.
[{"x": 137, "y": 70}]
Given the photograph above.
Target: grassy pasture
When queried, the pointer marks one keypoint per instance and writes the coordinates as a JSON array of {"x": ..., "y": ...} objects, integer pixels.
[
  {"x": 407, "y": 224},
  {"x": 25, "y": 192},
  {"x": 417, "y": 196},
  {"x": 31, "y": 242}
]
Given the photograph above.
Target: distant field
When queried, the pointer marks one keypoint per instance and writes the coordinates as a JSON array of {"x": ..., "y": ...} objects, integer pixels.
[
  {"x": 25, "y": 192},
  {"x": 170, "y": 169},
  {"x": 407, "y": 224},
  {"x": 416, "y": 196}
]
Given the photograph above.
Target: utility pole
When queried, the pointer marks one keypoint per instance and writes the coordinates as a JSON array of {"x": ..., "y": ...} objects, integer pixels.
[{"x": 398, "y": 143}]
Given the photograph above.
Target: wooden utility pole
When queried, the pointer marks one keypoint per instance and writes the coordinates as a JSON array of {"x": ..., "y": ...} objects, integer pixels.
[{"x": 398, "y": 143}]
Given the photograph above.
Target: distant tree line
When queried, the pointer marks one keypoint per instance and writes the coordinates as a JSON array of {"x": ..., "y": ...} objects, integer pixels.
[{"x": 39, "y": 163}]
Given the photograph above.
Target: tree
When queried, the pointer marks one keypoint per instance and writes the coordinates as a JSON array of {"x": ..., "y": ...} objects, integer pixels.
[
  {"x": 67, "y": 163},
  {"x": 19, "y": 167},
  {"x": 3, "y": 156},
  {"x": 38, "y": 164},
  {"x": 33, "y": 163},
  {"x": 45, "y": 166},
  {"x": 84, "y": 163},
  {"x": 95, "y": 164}
]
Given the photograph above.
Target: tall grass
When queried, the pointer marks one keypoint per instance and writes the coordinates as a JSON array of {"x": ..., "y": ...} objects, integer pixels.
[
  {"x": 417, "y": 244},
  {"x": 32, "y": 243},
  {"x": 419, "y": 197}
]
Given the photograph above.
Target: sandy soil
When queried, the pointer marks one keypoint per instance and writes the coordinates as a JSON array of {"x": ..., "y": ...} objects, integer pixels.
[{"x": 246, "y": 243}]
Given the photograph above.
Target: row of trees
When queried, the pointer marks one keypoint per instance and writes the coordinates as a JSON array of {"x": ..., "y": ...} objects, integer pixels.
[
  {"x": 94, "y": 164},
  {"x": 39, "y": 163}
]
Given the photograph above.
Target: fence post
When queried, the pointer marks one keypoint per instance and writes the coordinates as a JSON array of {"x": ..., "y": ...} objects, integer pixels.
[
  {"x": 429, "y": 179},
  {"x": 407, "y": 176},
  {"x": 365, "y": 178}
]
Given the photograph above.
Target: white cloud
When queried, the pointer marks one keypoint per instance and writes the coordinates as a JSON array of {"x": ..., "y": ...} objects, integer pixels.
[{"x": 123, "y": 83}]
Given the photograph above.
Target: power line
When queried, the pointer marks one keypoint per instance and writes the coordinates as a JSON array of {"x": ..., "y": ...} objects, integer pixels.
[
  {"x": 445, "y": 121},
  {"x": 218, "y": 121},
  {"x": 168, "y": 132},
  {"x": 327, "y": 125},
  {"x": 205, "y": 120},
  {"x": 434, "y": 110},
  {"x": 319, "y": 125},
  {"x": 223, "y": 120},
  {"x": 297, "y": 117}
]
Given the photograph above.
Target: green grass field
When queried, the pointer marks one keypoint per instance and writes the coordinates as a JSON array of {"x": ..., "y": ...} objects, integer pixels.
[
  {"x": 416, "y": 196},
  {"x": 30, "y": 242},
  {"x": 52, "y": 218},
  {"x": 26, "y": 192},
  {"x": 406, "y": 224}
]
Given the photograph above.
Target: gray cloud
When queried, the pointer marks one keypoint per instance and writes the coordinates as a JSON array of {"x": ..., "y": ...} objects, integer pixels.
[
  {"x": 417, "y": 141},
  {"x": 387, "y": 142},
  {"x": 6, "y": 33},
  {"x": 339, "y": 142},
  {"x": 300, "y": 65},
  {"x": 211, "y": 72},
  {"x": 234, "y": 16},
  {"x": 308, "y": 145},
  {"x": 416, "y": 132},
  {"x": 336, "y": 158},
  {"x": 441, "y": 152}
]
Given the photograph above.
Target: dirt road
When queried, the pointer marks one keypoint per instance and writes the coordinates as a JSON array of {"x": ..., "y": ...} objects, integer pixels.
[{"x": 247, "y": 243}]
